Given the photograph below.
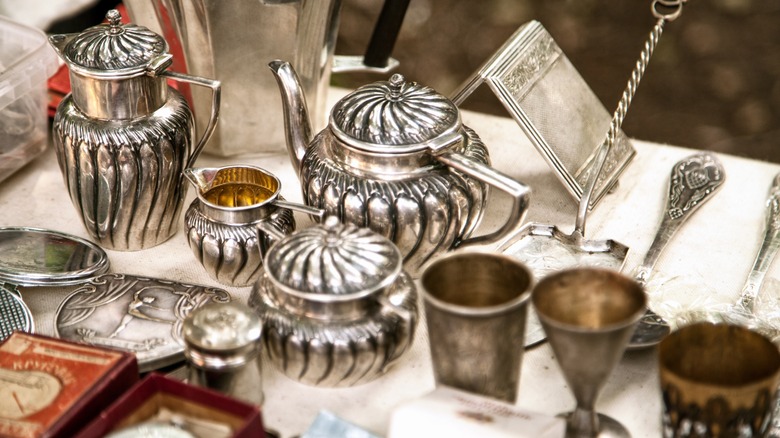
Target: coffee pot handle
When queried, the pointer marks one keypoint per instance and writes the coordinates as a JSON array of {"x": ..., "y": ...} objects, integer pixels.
[
  {"x": 216, "y": 97},
  {"x": 380, "y": 47},
  {"x": 519, "y": 192}
]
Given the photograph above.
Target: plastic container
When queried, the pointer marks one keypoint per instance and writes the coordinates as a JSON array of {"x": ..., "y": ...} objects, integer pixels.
[{"x": 26, "y": 62}]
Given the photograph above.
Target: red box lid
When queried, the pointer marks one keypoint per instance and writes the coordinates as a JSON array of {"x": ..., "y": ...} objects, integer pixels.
[
  {"x": 155, "y": 387},
  {"x": 51, "y": 387}
]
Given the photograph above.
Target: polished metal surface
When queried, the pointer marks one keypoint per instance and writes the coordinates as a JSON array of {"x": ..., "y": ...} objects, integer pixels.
[
  {"x": 475, "y": 308},
  {"x": 15, "y": 314},
  {"x": 767, "y": 251},
  {"x": 577, "y": 250},
  {"x": 560, "y": 115},
  {"x": 694, "y": 180},
  {"x": 320, "y": 327},
  {"x": 235, "y": 44},
  {"x": 39, "y": 257},
  {"x": 123, "y": 137},
  {"x": 718, "y": 380},
  {"x": 136, "y": 314},
  {"x": 588, "y": 315},
  {"x": 424, "y": 186},
  {"x": 222, "y": 347},
  {"x": 222, "y": 232}
]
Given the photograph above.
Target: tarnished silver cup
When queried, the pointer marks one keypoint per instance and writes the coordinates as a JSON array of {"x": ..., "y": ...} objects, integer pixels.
[
  {"x": 718, "y": 380},
  {"x": 476, "y": 305}
]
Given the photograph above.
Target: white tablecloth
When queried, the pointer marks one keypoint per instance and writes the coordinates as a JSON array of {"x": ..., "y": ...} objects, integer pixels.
[{"x": 710, "y": 258}]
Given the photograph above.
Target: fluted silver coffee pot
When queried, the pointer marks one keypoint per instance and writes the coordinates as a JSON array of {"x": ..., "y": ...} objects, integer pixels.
[{"x": 123, "y": 136}]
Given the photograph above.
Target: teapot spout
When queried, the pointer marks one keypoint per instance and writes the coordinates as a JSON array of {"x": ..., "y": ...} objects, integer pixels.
[{"x": 296, "y": 114}]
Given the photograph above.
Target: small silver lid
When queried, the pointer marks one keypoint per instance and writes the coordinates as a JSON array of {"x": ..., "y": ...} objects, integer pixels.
[
  {"x": 222, "y": 327},
  {"x": 40, "y": 257},
  {"x": 333, "y": 260},
  {"x": 125, "y": 49},
  {"x": 394, "y": 116}
]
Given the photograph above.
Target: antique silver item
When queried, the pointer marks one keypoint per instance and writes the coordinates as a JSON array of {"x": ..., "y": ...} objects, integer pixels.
[
  {"x": 36, "y": 257},
  {"x": 223, "y": 350},
  {"x": 222, "y": 221},
  {"x": 396, "y": 158},
  {"x": 559, "y": 250},
  {"x": 475, "y": 309},
  {"x": 337, "y": 308},
  {"x": 588, "y": 315},
  {"x": 235, "y": 43},
  {"x": 692, "y": 183},
  {"x": 136, "y": 314},
  {"x": 767, "y": 251},
  {"x": 123, "y": 136},
  {"x": 559, "y": 113}
]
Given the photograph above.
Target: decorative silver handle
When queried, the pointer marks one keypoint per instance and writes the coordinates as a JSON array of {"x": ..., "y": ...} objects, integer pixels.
[
  {"x": 693, "y": 181},
  {"x": 216, "y": 98},
  {"x": 519, "y": 192},
  {"x": 768, "y": 250}
]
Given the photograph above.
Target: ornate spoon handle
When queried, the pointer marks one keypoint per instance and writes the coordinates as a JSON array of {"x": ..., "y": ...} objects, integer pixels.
[
  {"x": 693, "y": 181},
  {"x": 766, "y": 253}
]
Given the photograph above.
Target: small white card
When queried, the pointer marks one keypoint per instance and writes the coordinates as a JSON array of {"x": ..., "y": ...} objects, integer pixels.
[{"x": 450, "y": 413}]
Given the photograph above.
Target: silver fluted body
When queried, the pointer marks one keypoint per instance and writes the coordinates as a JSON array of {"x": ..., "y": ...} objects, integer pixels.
[
  {"x": 230, "y": 253},
  {"x": 423, "y": 213},
  {"x": 127, "y": 183},
  {"x": 336, "y": 306},
  {"x": 123, "y": 136}
]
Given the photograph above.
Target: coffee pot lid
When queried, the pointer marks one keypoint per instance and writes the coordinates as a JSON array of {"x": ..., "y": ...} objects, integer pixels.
[
  {"x": 335, "y": 260},
  {"x": 395, "y": 116},
  {"x": 125, "y": 49}
]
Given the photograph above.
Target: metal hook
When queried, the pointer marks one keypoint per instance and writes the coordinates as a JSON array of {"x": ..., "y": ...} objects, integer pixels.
[{"x": 673, "y": 9}]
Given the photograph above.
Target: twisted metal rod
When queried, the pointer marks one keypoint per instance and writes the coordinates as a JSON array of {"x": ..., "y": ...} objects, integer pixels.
[{"x": 617, "y": 121}]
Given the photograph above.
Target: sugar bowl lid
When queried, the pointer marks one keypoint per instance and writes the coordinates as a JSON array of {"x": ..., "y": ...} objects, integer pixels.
[
  {"x": 395, "y": 116},
  {"x": 111, "y": 48},
  {"x": 333, "y": 261},
  {"x": 40, "y": 257}
]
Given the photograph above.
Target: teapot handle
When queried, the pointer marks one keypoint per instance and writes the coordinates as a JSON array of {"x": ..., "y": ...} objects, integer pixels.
[
  {"x": 216, "y": 97},
  {"x": 519, "y": 192},
  {"x": 377, "y": 57}
]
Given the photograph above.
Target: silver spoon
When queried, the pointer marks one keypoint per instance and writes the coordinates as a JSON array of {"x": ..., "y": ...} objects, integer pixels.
[{"x": 693, "y": 181}]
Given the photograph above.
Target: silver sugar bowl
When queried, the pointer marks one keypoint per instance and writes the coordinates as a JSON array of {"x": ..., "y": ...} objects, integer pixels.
[
  {"x": 123, "y": 136},
  {"x": 396, "y": 158},
  {"x": 337, "y": 307},
  {"x": 221, "y": 222},
  {"x": 222, "y": 348}
]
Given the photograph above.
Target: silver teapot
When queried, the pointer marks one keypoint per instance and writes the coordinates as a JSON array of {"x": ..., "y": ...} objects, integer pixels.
[
  {"x": 337, "y": 307},
  {"x": 123, "y": 136},
  {"x": 221, "y": 223},
  {"x": 396, "y": 158}
]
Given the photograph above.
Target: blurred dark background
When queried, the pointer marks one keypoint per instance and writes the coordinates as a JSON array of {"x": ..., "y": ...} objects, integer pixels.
[{"x": 713, "y": 82}]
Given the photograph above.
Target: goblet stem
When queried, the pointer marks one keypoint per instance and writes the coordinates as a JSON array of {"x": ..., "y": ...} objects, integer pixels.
[{"x": 582, "y": 423}]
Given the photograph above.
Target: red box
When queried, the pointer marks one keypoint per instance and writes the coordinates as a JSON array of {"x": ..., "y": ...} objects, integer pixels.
[
  {"x": 155, "y": 392},
  {"x": 50, "y": 387}
]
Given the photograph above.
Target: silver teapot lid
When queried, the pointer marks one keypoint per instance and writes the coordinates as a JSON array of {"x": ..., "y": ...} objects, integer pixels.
[
  {"x": 113, "y": 47},
  {"x": 222, "y": 327},
  {"x": 394, "y": 116},
  {"x": 333, "y": 260}
]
